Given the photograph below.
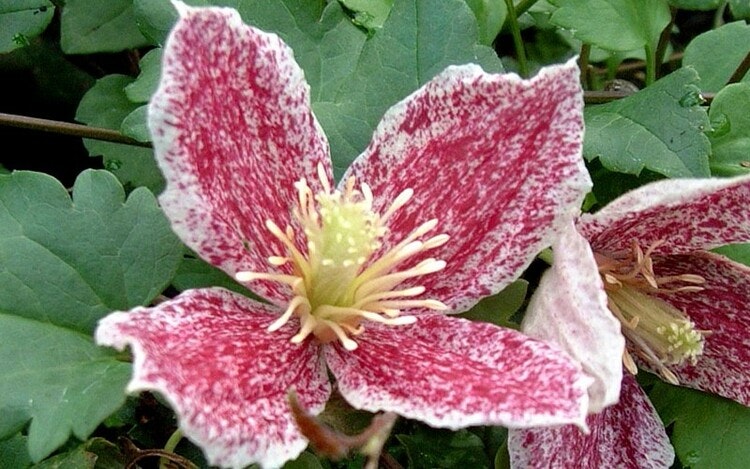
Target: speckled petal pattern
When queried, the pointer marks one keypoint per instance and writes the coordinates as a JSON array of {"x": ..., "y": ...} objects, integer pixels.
[
  {"x": 496, "y": 159},
  {"x": 569, "y": 309},
  {"x": 629, "y": 435},
  {"x": 723, "y": 308},
  {"x": 233, "y": 130},
  {"x": 450, "y": 372},
  {"x": 209, "y": 353},
  {"x": 687, "y": 214}
]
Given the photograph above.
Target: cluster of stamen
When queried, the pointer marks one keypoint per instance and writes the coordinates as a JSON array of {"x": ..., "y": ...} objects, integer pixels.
[
  {"x": 661, "y": 334},
  {"x": 336, "y": 282}
]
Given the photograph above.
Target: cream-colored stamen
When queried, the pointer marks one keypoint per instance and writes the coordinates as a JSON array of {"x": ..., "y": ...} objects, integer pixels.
[
  {"x": 659, "y": 333},
  {"x": 341, "y": 279}
]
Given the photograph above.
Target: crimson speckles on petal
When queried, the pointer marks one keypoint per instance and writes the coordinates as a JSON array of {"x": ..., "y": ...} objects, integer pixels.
[
  {"x": 684, "y": 311},
  {"x": 628, "y": 435},
  {"x": 463, "y": 183}
]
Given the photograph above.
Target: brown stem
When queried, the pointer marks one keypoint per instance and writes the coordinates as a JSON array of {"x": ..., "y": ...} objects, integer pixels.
[
  {"x": 583, "y": 64},
  {"x": 135, "y": 454},
  {"x": 741, "y": 70},
  {"x": 67, "y": 128},
  {"x": 664, "y": 38}
]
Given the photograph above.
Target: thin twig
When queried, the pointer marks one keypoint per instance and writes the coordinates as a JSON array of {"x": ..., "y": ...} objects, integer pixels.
[
  {"x": 67, "y": 128},
  {"x": 664, "y": 38},
  {"x": 601, "y": 97},
  {"x": 741, "y": 70},
  {"x": 583, "y": 64}
]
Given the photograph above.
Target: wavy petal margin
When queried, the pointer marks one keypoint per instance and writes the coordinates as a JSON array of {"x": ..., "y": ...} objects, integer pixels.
[
  {"x": 629, "y": 435},
  {"x": 233, "y": 130},
  {"x": 453, "y": 373},
  {"x": 496, "y": 159},
  {"x": 209, "y": 354},
  {"x": 723, "y": 308},
  {"x": 686, "y": 214},
  {"x": 569, "y": 309}
]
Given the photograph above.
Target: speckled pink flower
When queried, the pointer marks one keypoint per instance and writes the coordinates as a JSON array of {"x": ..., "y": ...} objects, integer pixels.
[
  {"x": 634, "y": 283},
  {"x": 464, "y": 182}
]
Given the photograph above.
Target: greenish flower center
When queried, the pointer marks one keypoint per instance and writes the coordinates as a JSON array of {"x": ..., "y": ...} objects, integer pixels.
[
  {"x": 336, "y": 281},
  {"x": 660, "y": 334}
]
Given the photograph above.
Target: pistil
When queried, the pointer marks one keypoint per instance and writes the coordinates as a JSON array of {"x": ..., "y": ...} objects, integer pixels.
[{"x": 337, "y": 283}]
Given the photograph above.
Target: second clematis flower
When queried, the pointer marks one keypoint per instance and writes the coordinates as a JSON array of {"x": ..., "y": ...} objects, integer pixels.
[
  {"x": 635, "y": 284},
  {"x": 463, "y": 183}
]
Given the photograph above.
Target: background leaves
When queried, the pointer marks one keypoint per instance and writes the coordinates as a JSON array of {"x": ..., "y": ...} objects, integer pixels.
[
  {"x": 63, "y": 265},
  {"x": 629, "y": 135}
]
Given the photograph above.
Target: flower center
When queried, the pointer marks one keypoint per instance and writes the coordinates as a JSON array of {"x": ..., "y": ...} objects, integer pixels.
[
  {"x": 335, "y": 280},
  {"x": 662, "y": 334}
]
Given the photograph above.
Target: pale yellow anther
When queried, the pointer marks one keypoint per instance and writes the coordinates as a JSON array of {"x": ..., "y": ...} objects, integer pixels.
[
  {"x": 398, "y": 202},
  {"x": 323, "y": 177},
  {"x": 435, "y": 241},
  {"x": 284, "y": 318},
  {"x": 629, "y": 363},
  {"x": 348, "y": 343},
  {"x": 277, "y": 260}
]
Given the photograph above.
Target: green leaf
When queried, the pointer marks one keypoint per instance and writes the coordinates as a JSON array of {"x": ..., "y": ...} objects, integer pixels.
[
  {"x": 740, "y": 9},
  {"x": 13, "y": 452},
  {"x": 660, "y": 128},
  {"x": 108, "y": 455},
  {"x": 305, "y": 460},
  {"x": 609, "y": 185},
  {"x": 716, "y": 54},
  {"x": 156, "y": 17},
  {"x": 617, "y": 25},
  {"x": 709, "y": 431},
  {"x": 737, "y": 252},
  {"x": 325, "y": 42},
  {"x": 697, "y": 4},
  {"x": 490, "y": 16},
  {"x": 57, "y": 378},
  {"x": 418, "y": 40},
  {"x": 93, "y": 26},
  {"x": 195, "y": 273},
  {"x": 499, "y": 309},
  {"x": 730, "y": 136},
  {"x": 106, "y": 105},
  {"x": 135, "y": 124},
  {"x": 436, "y": 448},
  {"x": 140, "y": 90},
  {"x": 23, "y": 20},
  {"x": 78, "y": 458},
  {"x": 370, "y": 14},
  {"x": 70, "y": 262}
]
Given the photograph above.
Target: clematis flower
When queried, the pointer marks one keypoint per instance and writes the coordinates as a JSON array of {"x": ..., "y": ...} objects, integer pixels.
[
  {"x": 635, "y": 283},
  {"x": 463, "y": 183}
]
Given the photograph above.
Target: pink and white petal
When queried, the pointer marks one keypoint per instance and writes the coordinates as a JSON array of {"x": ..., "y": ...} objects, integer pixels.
[
  {"x": 686, "y": 214},
  {"x": 233, "y": 130},
  {"x": 629, "y": 435},
  {"x": 569, "y": 309},
  {"x": 496, "y": 159},
  {"x": 452, "y": 373},
  {"x": 209, "y": 354},
  {"x": 723, "y": 308}
]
